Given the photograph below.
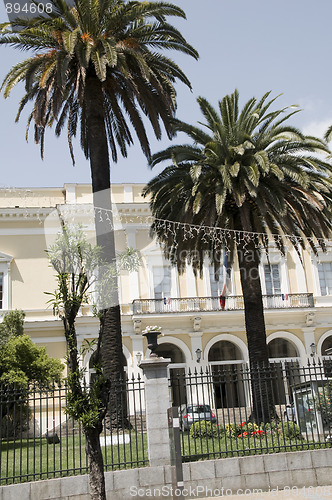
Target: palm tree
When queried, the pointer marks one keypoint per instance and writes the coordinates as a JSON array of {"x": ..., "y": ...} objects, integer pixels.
[
  {"x": 98, "y": 66},
  {"x": 253, "y": 175}
]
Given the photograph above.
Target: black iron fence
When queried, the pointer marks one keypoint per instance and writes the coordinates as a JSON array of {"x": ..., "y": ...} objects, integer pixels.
[
  {"x": 39, "y": 441},
  {"x": 230, "y": 303},
  {"x": 229, "y": 410}
]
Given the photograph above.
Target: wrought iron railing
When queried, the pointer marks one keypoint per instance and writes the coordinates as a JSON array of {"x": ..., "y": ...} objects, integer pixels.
[
  {"x": 230, "y": 303},
  {"x": 39, "y": 440},
  {"x": 231, "y": 410}
]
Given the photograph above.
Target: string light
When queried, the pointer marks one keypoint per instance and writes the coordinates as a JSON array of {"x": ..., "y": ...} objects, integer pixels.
[{"x": 217, "y": 236}]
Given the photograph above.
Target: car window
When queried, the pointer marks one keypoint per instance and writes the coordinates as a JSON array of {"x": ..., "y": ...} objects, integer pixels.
[{"x": 198, "y": 409}]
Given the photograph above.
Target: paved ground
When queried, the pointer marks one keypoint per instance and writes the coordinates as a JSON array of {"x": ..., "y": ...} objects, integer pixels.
[{"x": 313, "y": 493}]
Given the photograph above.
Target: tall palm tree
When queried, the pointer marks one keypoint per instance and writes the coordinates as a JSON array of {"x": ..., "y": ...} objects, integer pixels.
[
  {"x": 97, "y": 66},
  {"x": 252, "y": 174}
]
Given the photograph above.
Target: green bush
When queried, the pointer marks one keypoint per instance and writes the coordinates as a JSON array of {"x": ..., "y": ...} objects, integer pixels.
[
  {"x": 203, "y": 429},
  {"x": 290, "y": 430},
  {"x": 324, "y": 402}
]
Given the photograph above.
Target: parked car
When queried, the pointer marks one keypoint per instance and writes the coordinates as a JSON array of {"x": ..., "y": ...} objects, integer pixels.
[{"x": 194, "y": 413}]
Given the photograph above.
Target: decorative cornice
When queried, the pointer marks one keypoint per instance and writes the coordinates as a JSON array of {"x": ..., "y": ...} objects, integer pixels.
[{"x": 22, "y": 213}]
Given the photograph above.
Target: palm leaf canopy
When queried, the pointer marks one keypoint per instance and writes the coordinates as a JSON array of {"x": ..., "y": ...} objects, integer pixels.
[
  {"x": 243, "y": 170},
  {"x": 114, "y": 43}
]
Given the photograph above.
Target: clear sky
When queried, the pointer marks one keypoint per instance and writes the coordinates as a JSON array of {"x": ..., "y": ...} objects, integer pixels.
[{"x": 255, "y": 46}]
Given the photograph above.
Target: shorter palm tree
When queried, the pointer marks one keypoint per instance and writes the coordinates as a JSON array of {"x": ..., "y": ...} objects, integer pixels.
[{"x": 256, "y": 178}]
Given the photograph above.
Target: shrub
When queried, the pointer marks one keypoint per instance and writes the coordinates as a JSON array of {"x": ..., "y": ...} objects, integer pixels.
[
  {"x": 203, "y": 429},
  {"x": 290, "y": 430},
  {"x": 231, "y": 430},
  {"x": 324, "y": 403}
]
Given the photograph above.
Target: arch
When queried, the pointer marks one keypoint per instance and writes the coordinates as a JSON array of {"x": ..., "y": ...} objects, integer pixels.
[
  {"x": 126, "y": 354},
  {"x": 224, "y": 350},
  {"x": 230, "y": 338},
  {"x": 282, "y": 348},
  {"x": 291, "y": 338},
  {"x": 172, "y": 351},
  {"x": 322, "y": 340},
  {"x": 327, "y": 345},
  {"x": 168, "y": 339}
]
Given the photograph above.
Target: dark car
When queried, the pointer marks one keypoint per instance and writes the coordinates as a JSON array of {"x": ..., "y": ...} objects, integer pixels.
[{"x": 195, "y": 413}]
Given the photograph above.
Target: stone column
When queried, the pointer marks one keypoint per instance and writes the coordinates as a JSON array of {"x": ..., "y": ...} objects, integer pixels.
[{"x": 157, "y": 400}]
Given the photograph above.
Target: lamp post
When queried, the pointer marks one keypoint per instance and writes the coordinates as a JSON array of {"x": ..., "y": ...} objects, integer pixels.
[
  {"x": 139, "y": 358},
  {"x": 198, "y": 353},
  {"x": 313, "y": 349}
]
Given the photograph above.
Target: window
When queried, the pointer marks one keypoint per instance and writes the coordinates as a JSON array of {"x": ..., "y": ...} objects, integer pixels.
[
  {"x": 284, "y": 373},
  {"x": 5, "y": 261},
  {"x": 282, "y": 348},
  {"x": 229, "y": 386},
  {"x": 325, "y": 278},
  {"x": 161, "y": 281},
  {"x": 327, "y": 356},
  {"x": 216, "y": 285},
  {"x": 272, "y": 279},
  {"x": 1, "y": 290}
]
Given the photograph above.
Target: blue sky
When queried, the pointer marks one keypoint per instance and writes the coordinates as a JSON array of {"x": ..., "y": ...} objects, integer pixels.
[{"x": 255, "y": 46}]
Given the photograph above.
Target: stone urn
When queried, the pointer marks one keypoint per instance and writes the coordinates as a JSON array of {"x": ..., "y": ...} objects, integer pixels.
[{"x": 152, "y": 338}]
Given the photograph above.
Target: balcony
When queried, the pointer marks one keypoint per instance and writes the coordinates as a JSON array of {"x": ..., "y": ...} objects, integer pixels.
[{"x": 205, "y": 304}]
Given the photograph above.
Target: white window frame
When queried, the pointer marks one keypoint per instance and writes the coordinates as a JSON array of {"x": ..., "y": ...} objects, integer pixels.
[
  {"x": 320, "y": 287},
  {"x": 275, "y": 258},
  {"x": 155, "y": 258},
  {"x": 206, "y": 278},
  {"x": 269, "y": 271},
  {"x": 321, "y": 258},
  {"x": 5, "y": 261}
]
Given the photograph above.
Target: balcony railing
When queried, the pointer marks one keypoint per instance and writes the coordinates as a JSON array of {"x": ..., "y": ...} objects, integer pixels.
[{"x": 232, "y": 303}]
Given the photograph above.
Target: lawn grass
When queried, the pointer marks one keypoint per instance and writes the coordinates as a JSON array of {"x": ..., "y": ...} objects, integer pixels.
[{"x": 32, "y": 459}]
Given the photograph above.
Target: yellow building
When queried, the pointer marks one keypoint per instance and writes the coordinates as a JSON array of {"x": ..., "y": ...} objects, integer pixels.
[{"x": 298, "y": 298}]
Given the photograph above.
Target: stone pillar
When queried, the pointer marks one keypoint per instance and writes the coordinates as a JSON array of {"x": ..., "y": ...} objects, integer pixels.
[{"x": 157, "y": 401}]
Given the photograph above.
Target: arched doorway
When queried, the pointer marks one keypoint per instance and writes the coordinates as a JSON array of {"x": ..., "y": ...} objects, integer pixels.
[
  {"x": 226, "y": 360},
  {"x": 176, "y": 370},
  {"x": 327, "y": 356},
  {"x": 92, "y": 370},
  {"x": 284, "y": 356}
]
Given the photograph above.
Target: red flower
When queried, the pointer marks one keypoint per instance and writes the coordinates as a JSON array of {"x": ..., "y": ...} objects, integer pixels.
[{"x": 243, "y": 434}]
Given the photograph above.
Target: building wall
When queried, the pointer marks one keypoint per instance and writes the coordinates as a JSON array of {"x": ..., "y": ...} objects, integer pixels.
[{"x": 29, "y": 222}]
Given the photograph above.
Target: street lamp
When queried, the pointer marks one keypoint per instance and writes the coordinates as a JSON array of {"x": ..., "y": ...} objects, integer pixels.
[
  {"x": 313, "y": 349},
  {"x": 198, "y": 354},
  {"x": 139, "y": 358}
]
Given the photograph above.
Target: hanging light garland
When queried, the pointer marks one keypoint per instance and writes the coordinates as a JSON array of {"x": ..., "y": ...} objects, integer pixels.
[
  {"x": 216, "y": 235},
  {"x": 209, "y": 234}
]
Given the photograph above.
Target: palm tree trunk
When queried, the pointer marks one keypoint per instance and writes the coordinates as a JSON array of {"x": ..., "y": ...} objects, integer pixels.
[
  {"x": 111, "y": 345},
  {"x": 96, "y": 464},
  {"x": 261, "y": 382}
]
